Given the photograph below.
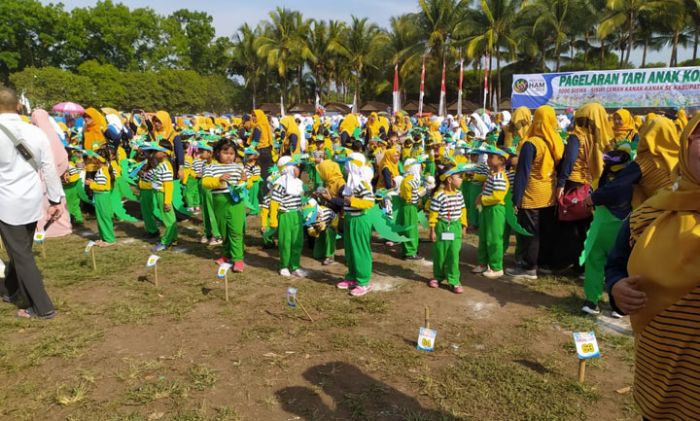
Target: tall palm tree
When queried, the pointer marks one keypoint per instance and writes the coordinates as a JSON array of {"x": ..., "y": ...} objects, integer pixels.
[
  {"x": 283, "y": 44},
  {"x": 493, "y": 28},
  {"x": 556, "y": 19},
  {"x": 246, "y": 61},
  {"x": 360, "y": 45},
  {"x": 319, "y": 40},
  {"x": 405, "y": 48}
]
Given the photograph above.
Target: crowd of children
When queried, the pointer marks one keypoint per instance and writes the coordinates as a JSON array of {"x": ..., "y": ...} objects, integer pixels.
[{"x": 384, "y": 174}]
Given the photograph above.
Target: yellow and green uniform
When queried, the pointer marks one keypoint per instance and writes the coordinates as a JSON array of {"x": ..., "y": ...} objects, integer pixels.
[
  {"x": 410, "y": 192},
  {"x": 253, "y": 174},
  {"x": 358, "y": 235},
  {"x": 285, "y": 215},
  {"x": 163, "y": 185},
  {"x": 493, "y": 220},
  {"x": 101, "y": 187},
  {"x": 147, "y": 202},
  {"x": 229, "y": 213},
  {"x": 191, "y": 182},
  {"x": 539, "y": 192},
  {"x": 206, "y": 201},
  {"x": 471, "y": 189},
  {"x": 72, "y": 189},
  {"x": 324, "y": 244},
  {"x": 447, "y": 217},
  {"x": 120, "y": 184}
]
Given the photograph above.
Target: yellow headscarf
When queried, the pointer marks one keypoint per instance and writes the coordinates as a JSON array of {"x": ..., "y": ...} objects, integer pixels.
[
  {"x": 291, "y": 127},
  {"x": 601, "y": 136},
  {"x": 263, "y": 125},
  {"x": 638, "y": 121},
  {"x": 519, "y": 125},
  {"x": 332, "y": 177},
  {"x": 681, "y": 119},
  {"x": 384, "y": 123},
  {"x": 373, "y": 125},
  {"x": 660, "y": 144},
  {"x": 349, "y": 124},
  {"x": 93, "y": 134},
  {"x": 389, "y": 161},
  {"x": 167, "y": 131},
  {"x": 545, "y": 126},
  {"x": 434, "y": 131},
  {"x": 628, "y": 128},
  {"x": 666, "y": 235}
]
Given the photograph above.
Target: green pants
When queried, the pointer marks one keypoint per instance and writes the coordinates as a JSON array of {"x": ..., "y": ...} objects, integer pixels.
[
  {"x": 470, "y": 191},
  {"x": 231, "y": 224},
  {"x": 358, "y": 248},
  {"x": 192, "y": 192},
  {"x": 253, "y": 198},
  {"x": 147, "y": 200},
  {"x": 122, "y": 183},
  {"x": 178, "y": 202},
  {"x": 446, "y": 252},
  {"x": 103, "y": 213},
  {"x": 408, "y": 217},
  {"x": 324, "y": 244},
  {"x": 600, "y": 240},
  {"x": 73, "y": 200},
  {"x": 169, "y": 221},
  {"x": 118, "y": 207},
  {"x": 493, "y": 222},
  {"x": 291, "y": 239},
  {"x": 206, "y": 201}
]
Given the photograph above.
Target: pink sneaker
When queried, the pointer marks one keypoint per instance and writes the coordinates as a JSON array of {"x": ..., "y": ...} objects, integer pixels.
[
  {"x": 221, "y": 260},
  {"x": 346, "y": 284},
  {"x": 238, "y": 266},
  {"x": 458, "y": 289},
  {"x": 359, "y": 291},
  {"x": 433, "y": 283}
]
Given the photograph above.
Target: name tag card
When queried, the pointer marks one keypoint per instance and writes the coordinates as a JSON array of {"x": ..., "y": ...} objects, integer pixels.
[
  {"x": 586, "y": 345},
  {"x": 447, "y": 236},
  {"x": 152, "y": 260},
  {"x": 426, "y": 339},
  {"x": 89, "y": 246},
  {"x": 292, "y": 297},
  {"x": 221, "y": 274}
]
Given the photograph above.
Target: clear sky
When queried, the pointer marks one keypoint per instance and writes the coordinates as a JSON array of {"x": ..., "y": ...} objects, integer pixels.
[{"x": 229, "y": 15}]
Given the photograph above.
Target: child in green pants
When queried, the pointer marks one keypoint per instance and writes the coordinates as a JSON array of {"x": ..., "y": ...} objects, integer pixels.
[
  {"x": 223, "y": 176},
  {"x": 163, "y": 185},
  {"x": 447, "y": 220},
  {"x": 206, "y": 200},
  {"x": 410, "y": 192},
  {"x": 493, "y": 215},
  {"x": 71, "y": 186},
  {"x": 285, "y": 215},
  {"x": 101, "y": 186}
]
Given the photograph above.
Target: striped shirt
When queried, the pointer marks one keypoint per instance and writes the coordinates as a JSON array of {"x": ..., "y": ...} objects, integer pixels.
[
  {"x": 162, "y": 174},
  {"x": 325, "y": 215},
  {"x": 198, "y": 167},
  {"x": 253, "y": 170},
  {"x": 101, "y": 177},
  {"x": 447, "y": 206},
  {"x": 496, "y": 182},
  {"x": 287, "y": 202},
  {"x": 266, "y": 201},
  {"x": 363, "y": 191},
  {"x": 217, "y": 170},
  {"x": 416, "y": 190},
  {"x": 148, "y": 176}
]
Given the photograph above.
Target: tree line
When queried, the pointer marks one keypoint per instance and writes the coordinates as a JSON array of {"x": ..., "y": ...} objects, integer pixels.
[{"x": 111, "y": 55}]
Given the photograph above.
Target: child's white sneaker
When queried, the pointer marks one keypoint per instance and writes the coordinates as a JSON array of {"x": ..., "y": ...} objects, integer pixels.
[
  {"x": 479, "y": 269},
  {"x": 300, "y": 273},
  {"x": 285, "y": 272},
  {"x": 492, "y": 274}
]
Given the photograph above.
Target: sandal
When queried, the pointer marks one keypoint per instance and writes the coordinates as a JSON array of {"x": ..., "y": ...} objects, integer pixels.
[
  {"x": 29, "y": 313},
  {"x": 433, "y": 283},
  {"x": 458, "y": 289}
]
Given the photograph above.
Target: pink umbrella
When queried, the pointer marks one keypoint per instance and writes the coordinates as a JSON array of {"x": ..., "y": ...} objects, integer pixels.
[{"x": 68, "y": 108}]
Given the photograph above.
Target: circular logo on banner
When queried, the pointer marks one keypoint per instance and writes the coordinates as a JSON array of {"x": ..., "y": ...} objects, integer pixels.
[{"x": 520, "y": 86}]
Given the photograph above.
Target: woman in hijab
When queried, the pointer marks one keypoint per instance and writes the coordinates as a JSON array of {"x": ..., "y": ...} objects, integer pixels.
[
  {"x": 62, "y": 225},
  {"x": 624, "y": 127},
  {"x": 347, "y": 129},
  {"x": 291, "y": 145},
  {"x": 333, "y": 183},
  {"x": 388, "y": 169},
  {"x": 93, "y": 132},
  {"x": 261, "y": 139},
  {"x": 517, "y": 128},
  {"x": 373, "y": 128},
  {"x": 533, "y": 192},
  {"x": 652, "y": 275}
]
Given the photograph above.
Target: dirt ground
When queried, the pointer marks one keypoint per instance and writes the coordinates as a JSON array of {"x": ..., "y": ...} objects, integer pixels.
[{"x": 123, "y": 349}]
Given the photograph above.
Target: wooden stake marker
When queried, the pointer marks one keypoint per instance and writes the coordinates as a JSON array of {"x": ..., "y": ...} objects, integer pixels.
[
  {"x": 293, "y": 300},
  {"x": 586, "y": 348},
  {"x": 152, "y": 262},
  {"x": 426, "y": 335},
  {"x": 90, "y": 249},
  {"x": 224, "y": 269}
]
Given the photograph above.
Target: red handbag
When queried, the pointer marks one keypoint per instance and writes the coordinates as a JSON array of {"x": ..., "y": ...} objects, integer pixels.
[{"x": 572, "y": 205}]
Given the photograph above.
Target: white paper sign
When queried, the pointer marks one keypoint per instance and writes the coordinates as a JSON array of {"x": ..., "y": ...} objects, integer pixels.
[
  {"x": 448, "y": 236},
  {"x": 223, "y": 268},
  {"x": 586, "y": 345},
  {"x": 426, "y": 339},
  {"x": 152, "y": 260},
  {"x": 39, "y": 237},
  {"x": 292, "y": 297},
  {"x": 89, "y": 246}
]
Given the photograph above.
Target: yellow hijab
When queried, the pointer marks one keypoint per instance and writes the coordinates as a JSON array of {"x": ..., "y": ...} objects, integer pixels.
[
  {"x": 291, "y": 127},
  {"x": 519, "y": 126},
  {"x": 681, "y": 119},
  {"x": 93, "y": 134},
  {"x": 384, "y": 123},
  {"x": 545, "y": 126},
  {"x": 263, "y": 125},
  {"x": 659, "y": 143},
  {"x": 167, "y": 131},
  {"x": 390, "y": 161},
  {"x": 331, "y": 176},
  {"x": 628, "y": 128},
  {"x": 349, "y": 124},
  {"x": 666, "y": 239},
  {"x": 601, "y": 136},
  {"x": 434, "y": 131},
  {"x": 373, "y": 125}
]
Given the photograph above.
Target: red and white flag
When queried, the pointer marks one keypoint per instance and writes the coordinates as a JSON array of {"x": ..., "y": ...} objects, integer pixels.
[
  {"x": 459, "y": 91},
  {"x": 486, "y": 80},
  {"x": 443, "y": 94},
  {"x": 422, "y": 89},
  {"x": 397, "y": 94}
]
